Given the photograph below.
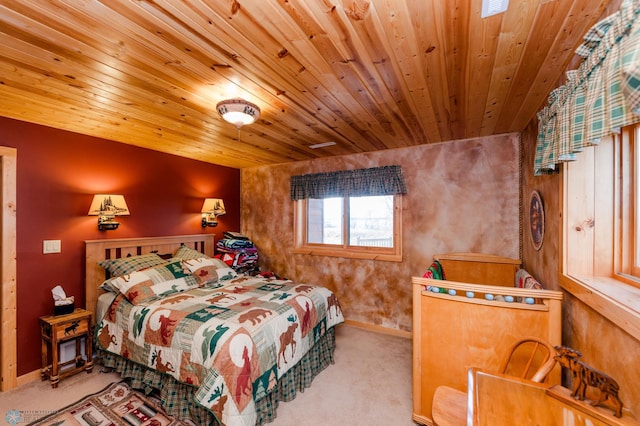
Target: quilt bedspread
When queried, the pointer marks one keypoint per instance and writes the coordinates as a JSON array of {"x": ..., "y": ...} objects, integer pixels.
[{"x": 232, "y": 341}]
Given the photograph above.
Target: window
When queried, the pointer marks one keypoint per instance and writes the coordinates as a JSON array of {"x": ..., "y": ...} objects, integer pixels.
[
  {"x": 635, "y": 271},
  {"x": 601, "y": 228},
  {"x": 363, "y": 227},
  {"x": 369, "y": 221},
  {"x": 626, "y": 217},
  {"x": 354, "y": 213}
]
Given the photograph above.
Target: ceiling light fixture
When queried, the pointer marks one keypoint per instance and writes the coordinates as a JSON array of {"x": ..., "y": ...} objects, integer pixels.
[{"x": 238, "y": 112}]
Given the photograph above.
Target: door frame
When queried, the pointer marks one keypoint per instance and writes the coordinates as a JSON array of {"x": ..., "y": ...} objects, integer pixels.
[{"x": 8, "y": 284}]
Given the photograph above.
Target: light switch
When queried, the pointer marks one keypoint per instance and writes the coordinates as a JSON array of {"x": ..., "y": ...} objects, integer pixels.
[{"x": 51, "y": 246}]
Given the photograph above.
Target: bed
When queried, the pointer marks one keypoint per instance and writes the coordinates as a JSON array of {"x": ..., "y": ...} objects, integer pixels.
[
  {"x": 219, "y": 347},
  {"x": 471, "y": 319}
]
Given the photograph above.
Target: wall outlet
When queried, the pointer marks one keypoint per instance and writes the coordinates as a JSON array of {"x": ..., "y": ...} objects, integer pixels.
[{"x": 51, "y": 246}]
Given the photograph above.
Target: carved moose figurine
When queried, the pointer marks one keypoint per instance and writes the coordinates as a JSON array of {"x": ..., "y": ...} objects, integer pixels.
[{"x": 585, "y": 375}]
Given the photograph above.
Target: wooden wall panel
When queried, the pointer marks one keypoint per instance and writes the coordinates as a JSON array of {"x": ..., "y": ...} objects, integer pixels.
[{"x": 583, "y": 328}]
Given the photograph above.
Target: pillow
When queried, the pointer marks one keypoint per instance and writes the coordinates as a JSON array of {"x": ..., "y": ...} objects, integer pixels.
[
  {"x": 127, "y": 265},
  {"x": 525, "y": 280},
  {"x": 208, "y": 270},
  {"x": 153, "y": 283},
  {"x": 185, "y": 252}
]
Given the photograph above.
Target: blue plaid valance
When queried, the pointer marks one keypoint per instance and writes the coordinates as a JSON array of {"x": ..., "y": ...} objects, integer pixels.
[
  {"x": 600, "y": 97},
  {"x": 385, "y": 180}
]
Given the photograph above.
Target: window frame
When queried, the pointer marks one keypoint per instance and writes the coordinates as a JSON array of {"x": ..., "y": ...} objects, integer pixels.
[
  {"x": 302, "y": 246},
  {"x": 596, "y": 265},
  {"x": 634, "y": 215},
  {"x": 625, "y": 211}
]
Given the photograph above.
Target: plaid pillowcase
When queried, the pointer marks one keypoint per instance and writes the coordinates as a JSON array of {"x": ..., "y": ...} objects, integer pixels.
[
  {"x": 127, "y": 265},
  {"x": 185, "y": 252},
  {"x": 153, "y": 283},
  {"x": 208, "y": 270}
]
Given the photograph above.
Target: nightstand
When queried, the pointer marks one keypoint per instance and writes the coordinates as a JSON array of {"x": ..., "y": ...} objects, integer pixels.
[{"x": 56, "y": 329}]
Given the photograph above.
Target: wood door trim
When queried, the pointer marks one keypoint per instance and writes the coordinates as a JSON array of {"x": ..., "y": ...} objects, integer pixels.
[{"x": 8, "y": 285}]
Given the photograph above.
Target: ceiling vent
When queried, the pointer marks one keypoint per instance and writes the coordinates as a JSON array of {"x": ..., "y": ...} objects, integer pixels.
[{"x": 493, "y": 7}]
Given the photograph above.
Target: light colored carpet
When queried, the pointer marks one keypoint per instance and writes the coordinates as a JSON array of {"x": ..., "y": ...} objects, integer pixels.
[{"x": 370, "y": 383}]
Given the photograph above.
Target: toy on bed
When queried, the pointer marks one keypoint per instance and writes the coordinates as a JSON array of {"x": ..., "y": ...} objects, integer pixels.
[
  {"x": 472, "y": 317},
  {"x": 222, "y": 347}
]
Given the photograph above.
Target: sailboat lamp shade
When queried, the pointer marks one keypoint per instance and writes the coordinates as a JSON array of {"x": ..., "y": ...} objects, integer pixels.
[
  {"x": 214, "y": 206},
  {"x": 211, "y": 209},
  {"x": 108, "y": 205}
]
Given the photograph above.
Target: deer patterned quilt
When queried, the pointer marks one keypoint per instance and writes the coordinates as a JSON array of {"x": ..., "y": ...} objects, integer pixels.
[{"x": 233, "y": 342}]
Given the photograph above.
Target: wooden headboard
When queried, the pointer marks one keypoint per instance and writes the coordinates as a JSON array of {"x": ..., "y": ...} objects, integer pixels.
[{"x": 97, "y": 250}]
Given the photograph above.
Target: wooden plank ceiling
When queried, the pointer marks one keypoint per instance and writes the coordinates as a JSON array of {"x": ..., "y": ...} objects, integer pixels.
[{"x": 365, "y": 74}]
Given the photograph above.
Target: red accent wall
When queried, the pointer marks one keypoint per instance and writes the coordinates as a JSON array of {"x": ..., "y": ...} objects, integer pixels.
[{"x": 58, "y": 173}]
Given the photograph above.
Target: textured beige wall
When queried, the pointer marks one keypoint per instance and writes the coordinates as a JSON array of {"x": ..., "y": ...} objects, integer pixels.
[
  {"x": 604, "y": 345},
  {"x": 462, "y": 196}
]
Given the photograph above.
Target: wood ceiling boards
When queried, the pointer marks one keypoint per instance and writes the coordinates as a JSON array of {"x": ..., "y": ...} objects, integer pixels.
[{"x": 368, "y": 75}]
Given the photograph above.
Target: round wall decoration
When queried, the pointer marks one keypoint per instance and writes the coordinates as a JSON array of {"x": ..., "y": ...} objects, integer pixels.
[{"x": 536, "y": 220}]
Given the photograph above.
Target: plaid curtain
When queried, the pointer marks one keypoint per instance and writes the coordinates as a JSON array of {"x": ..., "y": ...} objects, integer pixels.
[
  {"x": 386, "y": 180},
  {"x": 600, "y": 97}
]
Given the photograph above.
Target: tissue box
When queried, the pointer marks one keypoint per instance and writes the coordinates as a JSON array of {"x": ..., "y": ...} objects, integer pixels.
[{"x": 63, "y": 309}]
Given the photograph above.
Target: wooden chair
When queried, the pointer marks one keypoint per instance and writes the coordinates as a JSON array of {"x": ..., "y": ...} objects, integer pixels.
[{"x": 529, "y": 359}]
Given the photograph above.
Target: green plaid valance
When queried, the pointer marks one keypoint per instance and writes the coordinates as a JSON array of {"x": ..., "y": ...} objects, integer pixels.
[
  {"x": 600, "y": 97},
  {"x": 385, "y": 180}
]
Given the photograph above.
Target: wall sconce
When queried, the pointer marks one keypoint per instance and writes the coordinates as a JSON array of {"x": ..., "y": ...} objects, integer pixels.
[
  {"x": 211, "y": 209},
  {"x": 107, "y": 207}
]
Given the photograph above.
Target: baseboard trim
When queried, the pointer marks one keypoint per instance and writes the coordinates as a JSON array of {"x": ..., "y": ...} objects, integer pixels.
[
  {"x": 379, "y": 329},
  {"x": 29, "y": 377}
]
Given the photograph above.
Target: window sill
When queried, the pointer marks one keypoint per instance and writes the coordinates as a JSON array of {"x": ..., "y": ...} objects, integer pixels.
[
  {"x": 613, "y": 299},
  {"x": 348, "y": 254}
]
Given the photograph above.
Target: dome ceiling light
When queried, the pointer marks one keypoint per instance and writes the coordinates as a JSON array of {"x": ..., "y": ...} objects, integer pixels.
[{"x": 238, "y": 112}]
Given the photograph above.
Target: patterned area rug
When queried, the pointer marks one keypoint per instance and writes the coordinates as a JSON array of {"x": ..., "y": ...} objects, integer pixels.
[{"x": 115, "y": 405}]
